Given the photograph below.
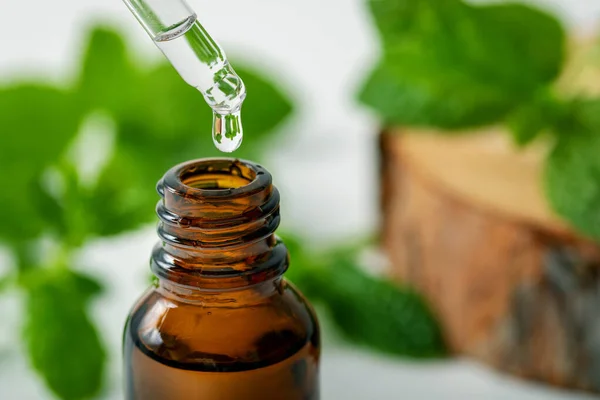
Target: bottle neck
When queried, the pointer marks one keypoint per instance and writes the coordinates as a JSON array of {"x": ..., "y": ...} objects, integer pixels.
[
  {"x": 246, "y": 295},
  {"x": 217, "y": 223}
]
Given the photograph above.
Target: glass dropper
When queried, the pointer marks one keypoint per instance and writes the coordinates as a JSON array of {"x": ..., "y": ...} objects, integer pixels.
[{"x": 199, "y": 60}]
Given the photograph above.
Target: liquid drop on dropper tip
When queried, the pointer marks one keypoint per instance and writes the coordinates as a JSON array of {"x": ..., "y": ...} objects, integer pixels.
[
  {"x": 203, "y": 65},
  {"x": 227, "y": 131}
]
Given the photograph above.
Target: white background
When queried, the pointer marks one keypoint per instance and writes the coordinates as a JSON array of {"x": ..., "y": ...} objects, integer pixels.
[{"x": 320, "y": 50}]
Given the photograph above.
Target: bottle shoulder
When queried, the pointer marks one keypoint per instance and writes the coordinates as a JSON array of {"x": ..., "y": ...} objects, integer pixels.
[{"x": 230, "y": 332}]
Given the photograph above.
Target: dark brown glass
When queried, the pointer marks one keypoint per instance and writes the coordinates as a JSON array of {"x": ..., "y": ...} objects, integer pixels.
[{"x": 221, "y": 323}]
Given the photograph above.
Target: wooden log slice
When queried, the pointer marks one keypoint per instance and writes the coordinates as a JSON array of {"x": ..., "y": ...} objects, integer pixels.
[{"x": 466, "y": 222}]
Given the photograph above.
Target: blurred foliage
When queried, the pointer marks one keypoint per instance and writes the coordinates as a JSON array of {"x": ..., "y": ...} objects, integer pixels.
[
  {"x": 367, "y": 310},
  {"x": 536, "y": 116},
  {"x": 159, "y": 121},
  {"x": 450, "y": 65},
  {"x": 573, "y": 168},
  {"x": 63, "y": 343}
]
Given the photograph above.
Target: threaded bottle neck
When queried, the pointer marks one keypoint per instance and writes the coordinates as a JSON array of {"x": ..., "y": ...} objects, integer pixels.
[{"x": 217, "y": 224}]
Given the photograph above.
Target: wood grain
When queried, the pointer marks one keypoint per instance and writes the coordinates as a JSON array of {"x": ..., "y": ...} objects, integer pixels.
[{"x": 512, "y": 285}]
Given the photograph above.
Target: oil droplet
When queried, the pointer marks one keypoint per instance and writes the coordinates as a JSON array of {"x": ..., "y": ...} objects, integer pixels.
[
  {"x": 202, "y": 64},
  {"x": 227, "y": 131}
]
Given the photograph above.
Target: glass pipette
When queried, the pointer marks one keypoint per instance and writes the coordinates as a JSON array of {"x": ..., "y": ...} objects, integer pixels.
[{"x": 201, "y": 62}]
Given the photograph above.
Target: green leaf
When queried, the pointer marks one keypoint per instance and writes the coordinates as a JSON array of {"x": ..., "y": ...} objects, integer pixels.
[
  {"x": 51, "y": 211},
  {"x": 381, "y": 315},
  {"x": 37, "y": 123},
  {"x": 572, "y": 175},
  {"x": 36, "y": 120},
  {"x": 78, "y": 224},
  {"x": 452, "y": 65},
  {"x": 87, "y": 287},
  {"x": 63, "y": 345},
  {"x": 407, "y": 94},
  {"x": 533, "y": 37},
  {"x": 124, "y": 197},
  {"x": 367, "y": 310},
  {"x": 542, "y": 113},
  {"x": 527, "y": 123},
  {"x": 108, "y": 79}
]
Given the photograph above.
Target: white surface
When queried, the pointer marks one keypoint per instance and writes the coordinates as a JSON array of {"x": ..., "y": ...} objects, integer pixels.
[{"x": 320, "y": 48}]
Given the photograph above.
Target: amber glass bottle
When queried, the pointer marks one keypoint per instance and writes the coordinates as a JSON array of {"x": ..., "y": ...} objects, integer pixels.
[{"x": 221, "y": 323}]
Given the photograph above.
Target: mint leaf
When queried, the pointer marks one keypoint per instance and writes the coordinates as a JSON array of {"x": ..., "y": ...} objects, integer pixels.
[
  {"x": 452, "y": 65},
  {"x": 108, "y": 78},
  {"x": 543, "y": 112},
  {"x": 36, "y": 120},
  {"x": 63, "y": 345},
  {"x": 367, "y": 310},
  {"x": 527, "y": 34},
  {"x": 379, "y": 314},
  {"x": 49, "y": 208},
  {"x": 37, "y": 123},
  {"x": 572, "y": 175},
  {"x": 124, "y": 197},
  {"x": 413, "y": 94},
  {"x": 527, "y": 123}
]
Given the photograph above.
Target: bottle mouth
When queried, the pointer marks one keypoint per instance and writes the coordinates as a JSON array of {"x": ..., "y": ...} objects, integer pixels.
[
  {"x": 215, "y": 178},
  {"x": 211, "y": 197}
]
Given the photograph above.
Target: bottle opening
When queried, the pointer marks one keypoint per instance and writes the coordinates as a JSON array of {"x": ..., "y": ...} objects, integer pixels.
[
  {"x": 215, "y": 182},
  {"x": 212, "y": 196},
  {"x": 223, "y": 176},
  {"x": 216, "y": 179}
]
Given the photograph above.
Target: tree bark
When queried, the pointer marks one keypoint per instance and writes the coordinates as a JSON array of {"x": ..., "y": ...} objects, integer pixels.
[{"x": 466, "y": 223}]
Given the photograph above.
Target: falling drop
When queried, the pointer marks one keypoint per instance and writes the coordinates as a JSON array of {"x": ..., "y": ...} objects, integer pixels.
[
  {"x": 202, "y": 63},
  {"x": 227, "y": 131}
]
